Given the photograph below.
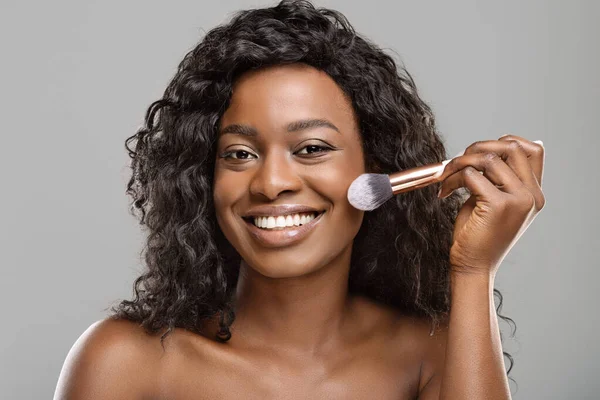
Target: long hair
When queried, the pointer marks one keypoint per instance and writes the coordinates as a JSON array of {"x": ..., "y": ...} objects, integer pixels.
[{"x": 400, "y": 255}]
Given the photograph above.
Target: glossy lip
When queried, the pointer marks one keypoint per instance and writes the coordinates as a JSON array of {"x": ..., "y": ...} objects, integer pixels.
[{"x": 282, "y": 237}]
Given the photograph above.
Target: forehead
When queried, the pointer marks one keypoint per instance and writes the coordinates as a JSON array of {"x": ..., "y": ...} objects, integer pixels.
[{"x": 276, "y": 95}]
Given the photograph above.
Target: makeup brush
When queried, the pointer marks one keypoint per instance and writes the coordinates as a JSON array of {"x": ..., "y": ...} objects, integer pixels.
[{"x": 370, "y": 191}]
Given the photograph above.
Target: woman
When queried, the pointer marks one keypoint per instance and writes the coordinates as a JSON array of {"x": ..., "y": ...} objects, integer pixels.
[{"x": 263, "y": 282}]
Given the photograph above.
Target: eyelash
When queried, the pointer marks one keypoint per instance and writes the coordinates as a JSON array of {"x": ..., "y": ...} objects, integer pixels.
[{"x": 324, "y": 149}]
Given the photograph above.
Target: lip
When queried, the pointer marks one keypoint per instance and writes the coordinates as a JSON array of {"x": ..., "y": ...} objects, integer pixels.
[
  {"x": 283, "y": 237},
  {"x": 283, "y": 209}
]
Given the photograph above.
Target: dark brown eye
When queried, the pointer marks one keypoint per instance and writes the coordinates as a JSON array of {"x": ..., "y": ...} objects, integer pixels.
[
  {"x": 238, "y": 155},
  {"x": 312, "y": 149},
  {"x": 242, "y": 154}
]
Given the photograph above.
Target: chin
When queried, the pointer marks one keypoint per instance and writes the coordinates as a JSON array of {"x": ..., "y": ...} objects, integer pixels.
[
  {"x": 290, "y": 264},
  {"x": 284, "y": 270}
]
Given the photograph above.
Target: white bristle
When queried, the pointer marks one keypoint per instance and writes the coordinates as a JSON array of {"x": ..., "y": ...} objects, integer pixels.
[{"x": 369, "y": 191}]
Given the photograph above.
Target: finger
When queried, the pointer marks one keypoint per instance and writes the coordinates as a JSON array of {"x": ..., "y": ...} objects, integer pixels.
[
  {"x": 535, "y": 154},
  {"x": 513, "y": 154},
  {"x": 490, "y": 164},
  {"x": 476, "y": 183}
]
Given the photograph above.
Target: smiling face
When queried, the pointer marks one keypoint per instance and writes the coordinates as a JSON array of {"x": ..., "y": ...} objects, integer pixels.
[{"x": 288, "y": 149}]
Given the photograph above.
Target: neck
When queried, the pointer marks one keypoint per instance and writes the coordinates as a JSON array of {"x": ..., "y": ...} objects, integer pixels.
[{"x": 304, "y": 314}]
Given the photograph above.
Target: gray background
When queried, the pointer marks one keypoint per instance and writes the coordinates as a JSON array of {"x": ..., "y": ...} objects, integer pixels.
[{"x": 77, "y": 76}]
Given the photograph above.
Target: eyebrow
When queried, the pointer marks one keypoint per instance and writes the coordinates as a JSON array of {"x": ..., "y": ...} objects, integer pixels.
[{"x": 303, "y": 124}]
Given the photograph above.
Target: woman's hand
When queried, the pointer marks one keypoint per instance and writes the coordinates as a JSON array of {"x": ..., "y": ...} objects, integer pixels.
[{"x": 504, "y": 200}]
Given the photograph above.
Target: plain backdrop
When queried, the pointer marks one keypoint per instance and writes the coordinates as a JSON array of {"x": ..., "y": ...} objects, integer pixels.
[{"x": 76, "y": 78}]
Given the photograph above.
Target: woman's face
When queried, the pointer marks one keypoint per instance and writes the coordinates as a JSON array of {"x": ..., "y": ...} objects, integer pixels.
[{"x": 288, "y": 149}]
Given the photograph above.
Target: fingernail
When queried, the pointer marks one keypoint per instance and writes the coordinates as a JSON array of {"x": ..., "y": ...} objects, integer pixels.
[
  {"x": 503, "y": 136},
  {"x": 439, "y": 193},
  {"x": 539, "y": 142}
]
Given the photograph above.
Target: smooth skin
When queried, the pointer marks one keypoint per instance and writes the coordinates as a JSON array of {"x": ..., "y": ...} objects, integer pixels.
[{"x": 298, "y": 333}]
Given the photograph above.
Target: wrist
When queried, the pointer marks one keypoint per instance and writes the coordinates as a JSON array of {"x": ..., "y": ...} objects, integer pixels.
[
  {"x": 480, "y": 272},
  {"x": 473, "y": 292},
  {"x": 472, "y": 278}
]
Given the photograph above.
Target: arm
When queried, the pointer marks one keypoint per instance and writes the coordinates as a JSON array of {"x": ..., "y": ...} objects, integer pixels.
[
  {"x": 504, "y": 179},
  {"x": 466, "y": 360}
]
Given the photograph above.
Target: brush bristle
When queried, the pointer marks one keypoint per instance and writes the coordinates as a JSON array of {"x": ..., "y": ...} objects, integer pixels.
[{"x": 369, "y": 191}]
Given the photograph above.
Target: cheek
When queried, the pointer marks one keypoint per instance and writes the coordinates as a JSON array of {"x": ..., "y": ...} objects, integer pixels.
[
  {"x": 333, "y": 183},
  {"x": 343, "y": 173}
]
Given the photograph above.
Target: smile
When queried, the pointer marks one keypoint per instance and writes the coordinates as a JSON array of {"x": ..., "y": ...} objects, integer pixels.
[
  {"x": 282, "y": 230},
  {"x": 283, "y": 221}
]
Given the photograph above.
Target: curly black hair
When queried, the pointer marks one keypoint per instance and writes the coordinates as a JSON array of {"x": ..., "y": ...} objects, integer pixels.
[{"x": 192, "y": 270}]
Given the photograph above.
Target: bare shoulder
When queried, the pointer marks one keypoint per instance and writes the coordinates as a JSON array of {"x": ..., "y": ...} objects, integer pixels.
[
  {"x": 427, "y": 342},
  {"x": 112, "y": 359},
  {"x": 431, "y": 342},
  {"x": 412, "y": 337},
  {"x": 417, "y": 330}
]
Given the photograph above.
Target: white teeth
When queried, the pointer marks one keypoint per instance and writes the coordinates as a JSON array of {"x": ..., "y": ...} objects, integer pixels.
[
  {"x": 283, "y": 221},
  {"x": 280, "y": 222}
]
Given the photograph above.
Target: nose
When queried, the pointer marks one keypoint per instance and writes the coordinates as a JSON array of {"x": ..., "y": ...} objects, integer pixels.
[{"x": 275, "y": 176}]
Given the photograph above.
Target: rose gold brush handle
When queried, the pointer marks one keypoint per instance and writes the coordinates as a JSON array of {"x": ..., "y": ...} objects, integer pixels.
[{"x": 415, "y": 178}]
